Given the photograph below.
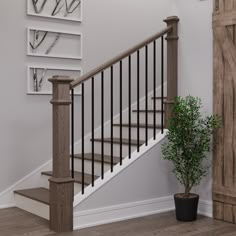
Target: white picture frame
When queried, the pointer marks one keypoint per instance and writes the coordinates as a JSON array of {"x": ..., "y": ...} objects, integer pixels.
[
  {"x": 47, "y": 88},
  {"x": 73, "y": 39},
  {"x": 77, "y": 15}
]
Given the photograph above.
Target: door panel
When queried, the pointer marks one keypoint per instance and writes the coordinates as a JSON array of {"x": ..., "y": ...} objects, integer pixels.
[{"x": 224, "y": 161}]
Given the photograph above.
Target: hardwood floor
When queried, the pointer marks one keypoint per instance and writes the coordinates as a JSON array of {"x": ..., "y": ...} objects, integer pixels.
[{"x": 15, "y": 222}]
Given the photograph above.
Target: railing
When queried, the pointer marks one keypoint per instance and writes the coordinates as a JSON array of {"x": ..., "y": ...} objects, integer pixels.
[{"x": 61, "y": 185}]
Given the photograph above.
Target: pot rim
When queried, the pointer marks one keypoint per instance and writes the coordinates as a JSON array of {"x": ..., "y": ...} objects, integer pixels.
[{"x": 194, "y": 196}]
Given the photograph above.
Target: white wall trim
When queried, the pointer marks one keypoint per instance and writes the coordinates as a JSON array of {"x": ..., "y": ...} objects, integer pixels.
[
  {"x": 7, "y": 206},
  {"x": 85, "y": 219},
  {"x": 205, "y": 208},
  {"x": 106, "y": 215}
]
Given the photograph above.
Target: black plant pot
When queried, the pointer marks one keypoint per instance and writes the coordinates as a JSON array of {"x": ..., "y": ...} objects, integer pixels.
[{"x": 186, "y": 208}]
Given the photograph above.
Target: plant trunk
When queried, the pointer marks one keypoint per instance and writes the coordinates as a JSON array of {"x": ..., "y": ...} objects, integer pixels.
[{"x": 187, "y": 190}]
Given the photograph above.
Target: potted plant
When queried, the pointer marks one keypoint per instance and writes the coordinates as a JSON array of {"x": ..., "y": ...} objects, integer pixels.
[{"x": 189, "y": 141}]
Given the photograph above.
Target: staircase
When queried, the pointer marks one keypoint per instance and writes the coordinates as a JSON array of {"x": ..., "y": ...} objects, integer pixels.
[
  {"x": 34, "y": 199},
  {"x": 125, "y": 130}
]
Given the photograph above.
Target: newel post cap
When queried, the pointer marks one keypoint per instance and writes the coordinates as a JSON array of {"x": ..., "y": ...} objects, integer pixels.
[
  {"x": 61, "y": 79},
  {"x": 172, "y": 19}
]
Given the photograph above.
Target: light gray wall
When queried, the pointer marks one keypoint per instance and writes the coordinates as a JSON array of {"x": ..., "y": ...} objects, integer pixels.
[
  {"x": 195, "y": 59},
  {"x": 148, "y": 178},
  {"x": 109, "y": 27}
]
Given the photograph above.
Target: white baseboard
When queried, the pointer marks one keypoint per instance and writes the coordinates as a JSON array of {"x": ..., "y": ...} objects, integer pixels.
[
  {"x": 205, "y": 208},
  {"x": 85, "y": 219},
  {"x": 91, "y": 218},
  {"x": 2, "y": 207}
]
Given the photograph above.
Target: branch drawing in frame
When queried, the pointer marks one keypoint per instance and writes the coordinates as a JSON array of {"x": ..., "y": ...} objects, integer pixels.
[
  {"x": 58, "y": 9},
  {"x": 50, "y": 43},
  {"x": 38, "y": 75}
]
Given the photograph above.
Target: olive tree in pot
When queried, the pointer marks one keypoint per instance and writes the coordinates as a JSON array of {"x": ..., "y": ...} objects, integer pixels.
[{"x": 189, "y": 141}]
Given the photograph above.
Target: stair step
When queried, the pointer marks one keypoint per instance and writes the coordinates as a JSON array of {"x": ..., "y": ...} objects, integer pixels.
[
  {"x": 98, "y": 158},
  {"x": 37, "y": 194},
  {"x": 149, "y": 111},
  {"x": 117, "y": 141},
  {"x": 78, "y": 177},
  {"x": 134, "y": 125},
  {"x": 159, "y": 98}
]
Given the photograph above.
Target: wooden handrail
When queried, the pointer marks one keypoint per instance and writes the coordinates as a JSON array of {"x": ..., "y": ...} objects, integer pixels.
[{"x": 123, "y": 55}]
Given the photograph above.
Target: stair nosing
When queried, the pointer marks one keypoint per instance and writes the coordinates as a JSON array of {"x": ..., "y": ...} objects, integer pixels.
[
  {"x": 79, "y": 156},
  {"x": 107, "y": 140},
  {"x": 157, "y": 97},
  {"x": 46, "y": 173},
  {"x": 141, "y": 125},
  {"x": 149, "y": 111}
]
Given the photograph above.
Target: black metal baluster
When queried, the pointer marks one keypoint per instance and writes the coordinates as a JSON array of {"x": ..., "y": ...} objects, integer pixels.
[
  {"x": 154, "y": 89},
  {"x": 121, "y": 90},
  {"x": 162, "y": 84},
  {"x": 129, "y": 106},
  {"x": 102, "y": 122},
  {"x": 82, "y": 128},
  {"x": 72, "y": 135},
  {"x": 112, "y": 160},
  {"x": 92, "y": 131},
  {"x": 138, "y": 98},
  {"x": 146, "y": 94}
]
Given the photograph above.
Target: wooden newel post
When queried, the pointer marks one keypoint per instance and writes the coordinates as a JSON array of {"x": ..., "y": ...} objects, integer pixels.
[
  {"x": 172, "y": 63},
  {"x": 61, "y": 183}
]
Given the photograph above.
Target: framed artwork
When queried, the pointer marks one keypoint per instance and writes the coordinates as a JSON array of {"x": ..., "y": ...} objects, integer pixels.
[
  {"x": 56, "y": 44},
  {"x": 58, "y": 9},
  {"x": 38, "y": 75}
]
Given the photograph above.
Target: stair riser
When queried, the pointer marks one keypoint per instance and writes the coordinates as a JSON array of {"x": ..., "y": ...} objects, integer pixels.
[
  {"x": 88, "y": 167},
  {"x": 150, "y": 105},
  {"x": 142, "y": 117},
  {"x": 32, "y": 206},
  {"x": 45, "y": 182},
  {"x": 116, "y": 149},
  {"x": 134, "y": 131}
]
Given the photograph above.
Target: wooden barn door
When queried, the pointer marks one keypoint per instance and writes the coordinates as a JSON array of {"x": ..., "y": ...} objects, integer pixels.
[{"x": 224, "y": 161}]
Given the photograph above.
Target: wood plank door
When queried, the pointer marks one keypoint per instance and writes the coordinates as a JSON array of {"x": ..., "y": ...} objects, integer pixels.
[{"x": 224, "y": 158}]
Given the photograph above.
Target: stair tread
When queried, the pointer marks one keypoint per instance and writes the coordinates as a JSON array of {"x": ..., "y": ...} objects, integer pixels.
[
  {"x": 98, "y": 158},
  {"x": 141, "y": 110},
  {"x": 78, "y": 177},
  {"x": 117, "y": 141},
  {"x": 37, "y": 194},
  {"x": 134, "y": 125},
  {"x": 157, "y": 97}
]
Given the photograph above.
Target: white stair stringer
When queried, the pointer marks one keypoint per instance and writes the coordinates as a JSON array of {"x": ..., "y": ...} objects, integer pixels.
[{"x": 118, "y": 169}]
